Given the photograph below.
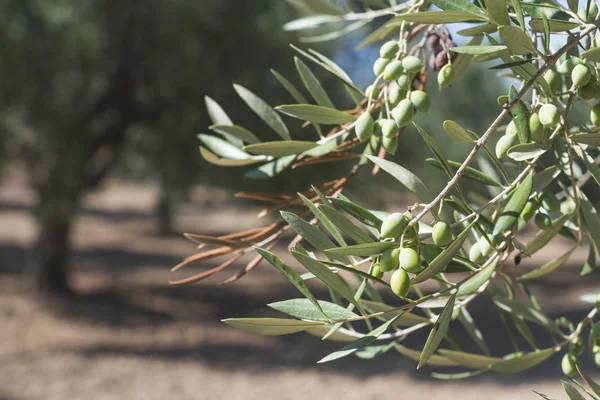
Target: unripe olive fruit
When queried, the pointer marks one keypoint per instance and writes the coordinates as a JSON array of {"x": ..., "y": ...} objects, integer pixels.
[
  {"x": 390, "y": 144},
  {"x": 529, "y": 210},
  {"x": 503, "y": 144},
  {"x": 543, "y": 221},
  {"x": 475, "y": 253},
  {"x": 379, "y": 65},
  {"x": 378, "y": 127},
  {"x": 403, "y": 81},
  {"x": 372, "y": 91},
  {"x": 576, "y": 346},
  {"x": 511, "y": 128},
  {"x": 396, "y": 94},
  {"x": 403, "y": 113},
  {"x": 485, "y": 247},
  {"x": 409, "y": 260},
  {"x": 400, "y": 283},
  {"x": 389, "y": 49},
  {"x": 587, "y": 92},
  {"x": 566, "y": 67},
  {"x": 364, "y": 127},
  {"x": 389, "y": 128},
  {"x": 549, "y": 115},
  {"x": 445, "y": 76},
  {"x": 553, "y": 80},
  {"x": 393, "y": 70},
  {"x": 536, "y": 129},
  {"x": 568, "y": 365},
  {"x": 393, "y": 225},
  {"x": 567, "y": 206},
  {"x": 430, "y": 252},
  {"x": 377, "y": 272},
  {"x": 595, "y": 115},
  {"x": 442, "y": 233},
  {"x": 420, "y": 100},
  {"x": 411, "y": 233},
  {"x": 581, "y": 75},
  {"x": 549, "y": 202},
  {"x": 389, "y": 260},
  {"x": 594, "y": 339},
  {"x": 597, "y": 358},
  {"x": 588, "y": 14},
  {"x": 412, "y": 64}
]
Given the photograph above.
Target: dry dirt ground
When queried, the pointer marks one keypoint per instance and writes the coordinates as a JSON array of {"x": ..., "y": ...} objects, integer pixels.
[{"x": 132, "y": 336}]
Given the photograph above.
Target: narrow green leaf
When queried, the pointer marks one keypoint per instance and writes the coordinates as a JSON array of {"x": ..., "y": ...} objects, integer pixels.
[
  {"x": 435, "y": 148},
  {"x": 225, "y": 162},
  {"x": 590, "y": 382},
  {"x": 237, "y": 132},
  {"x": 280, "y": 148},
  {"x": 589, "y": 162},
  {"x": 590, "y": 263},
  {"x": 527, "y": 312},
  {"x": 509, "y": 65},
  {"x": 406, "y": 318},
  {"x": 526, "y": 361},
  {"x": 216, "y": 113},
  {"x": 519, "y": 12},
  {"x": 318, "y": 114},
  {"x": 592, "y": 54},
  {"x": 305, "y": 309},
  {"x": 337, "y": 336},
  {"x": 469, "y": 324},
  {"x": 475, "y": 281},
  {"x": 571, "y": 391},
  {"x": 462, "y": 61},
  {"x": 436, "y": 17},
  {"x": 435, "y": 360},
  {"x": 515, "y": 205},
  {"x": 437, "y": 332},
  {"x": 309, "y": 232},
  {"x": 323, "y": 219},
  {"x": 498, "y": 11},
  {"x": 475, "y": 361},
  {"x": 527, "y": 151},
  {"x": 516, "y": 41},
  {"x": 455, "y": 131},
  {"x": 270, "y": 169},
  {"x": 291, "y": 276},
  {"x": 378, "y": 34},
  {"x": 222, "y": 148},
  {"x": 444, "y": 258},
  {"x": 360, "y": 343},
  {"x": 264, "y": 111},
  {"x": 469, "y": 172},
  {"x": 591, "y": 139},
  {"x": 537, "y": 25},
  {"x": 271, "y": 326},
  {"x": 309, "y": 22},
  {"x": 544, "y": 177},
  {"x": 459, "y": 375},
  {"x": 520, "y": 114},
  {"x": 361, "y": 214},
  {"x": 345, "y": 225},
  {"x": 457, "y": 6},
  {"x": 361, "y": 250},
  {"x": 590, "y": 217},
  {"x": 478, "y": 50},
  {"x": 542, "y": 238},
  {"x": 289, "y": 86},
  {"x": 478, "y": 30},
  {"x": 548, "y": 267},
  {"x": 316, "y": 6},
  {"x": 313, "y": 85}
]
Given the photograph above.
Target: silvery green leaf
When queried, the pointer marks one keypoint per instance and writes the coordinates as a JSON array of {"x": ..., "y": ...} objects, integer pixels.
[
  {"x": 313, "y": 85},
  {"x": 361, "y": 250},
  {"x": 572, "y": 392},
  {"x": 345, "y": 225},
  {"x": 435, "y": 360},
  {"x": 516, "y": 41},
  {"x": 222, "y": 148},
  {"x": 270, "y": 169},
  {"x": 264, "y": 111},
  {"x": 537, "y": 25},
  {"x": 436, "y": 17},
  {"x": 318, "y": 114},
  {"x": 361, "y": 214},
  {"x": 289, "y": 86},
  {"x": 478, "y": 50},
  {"x": 437, "y": 332},
  {"x": 515, "y": 205},
  {"x": 309, "y": 22},
  {"x": 458, "y": 6},
  {"x": 469, "y": 172},
  {"x": 548, "y": 267},
  {"x": 271, "y": 326},
  {"x": 478, "y": 30},
  {"x": 542, "y": 237},
  {"x": 455, "y": 131},
  {"x": 498, "y": 11},
  {"x": 591, "y": 139},
  {"x": 306, "y": 310},
  {"x": 235, "y": 131},
  {"x": 527, "y": 151},
  {"x": 592, "y": 55},
  {"x": 280, "y": 148},
  {"x": 590, "y": 217},
  {"x": 323, "y": 219},
  {"x": 523, "y": 362},
  {"x": 225, "y": 162}
]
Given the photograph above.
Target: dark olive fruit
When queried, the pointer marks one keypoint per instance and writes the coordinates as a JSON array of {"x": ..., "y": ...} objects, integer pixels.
[
  {"x": 377, "y": 272},
  {"x": 442, "y": 233},
  {"x": 595, "y": 115},
  {"x": 389, "y": 260},
  {"x": 549, "y": 115},
  {"x": 389, "y": 49},
  {"x": 445, "y": 76},
  {"x": 364, "y": 127},
  {"x": 549, "y": 202},
  {"x": 529, "y": 210},
  {"x": 511, "y": 129},
  {"x": 393, "y": 70},
  {"x": 372, "y": 91},
  {"x": 543, "y": 221},
  {"x": 503, "y": 144},
  {"x": 409, "y": 260},
  {"x": 396, "y": 94},
  {"x": 379, "y": 65},
  {"x": 389, "y": 128},
  {"x": 536, "y": 129},
  {"x": 390, "y": 144},
  {"x": 588, "y": 91},
  {"x": 403, "y": 81},
  {"x": 566, "y": 67},
  {"x": 588, "y": 13},
  {"x": 400, "y": 283},
  {"x": 568, "y": 365},
  {"x": 553, "y": 80},
  {"x": 576, "y": 346},
  {"x": 420, "y": 100},
  {"x": 393, "y": 225},
  {"x": 412, "y": 64},
  {"x": 581, "y": 75},
  {"x": 433, "y": 41},
  {"x": 430, "y": 252},
  {"x": 475, "y": 253},
  {"x": 403, "y": 113}
]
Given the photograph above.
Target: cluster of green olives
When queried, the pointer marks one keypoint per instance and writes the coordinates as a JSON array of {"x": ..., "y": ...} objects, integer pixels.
[
  {"x": 576, "y": 349},
  {"x": 411, "y": 256}
]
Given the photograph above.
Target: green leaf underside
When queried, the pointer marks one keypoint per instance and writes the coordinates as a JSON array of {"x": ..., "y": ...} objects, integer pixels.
[
  {"x": 469, "y": 173},
  {"x": 514, "y": 206},
  {"x": 280, "y": 148},
  {"x": 264, "y": 111},
  {"x": 362, "y": 250},
  {"x": 306, "y": 310},
  {"x": 235, "y": 131},
  {"x": 478, "y": 50},
  {"x": 548, "y": 267},
  {"x": 271, "y": 326},
  {"x": 317, "y": 114},
  {"x": 358, "y": 212},
  {"x": 436, "y": 17},
  {"x": 437, "y": 332},
  {"x": 224, "y": 162},
  {"x": 527, "y": 151}
]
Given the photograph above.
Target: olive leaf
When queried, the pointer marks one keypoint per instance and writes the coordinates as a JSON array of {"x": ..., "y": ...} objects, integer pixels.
[
  {"x": 466, "y": 320},
  {"x": 544, "y": 177},
  {"x": 313, "y": 85},
  {"x": 289, "y": 86},
  {"x": 337, "y": 336},
  {"x": 537, "y": 25},
  {"x": 280, "y": 148},
  {"x": 323, "y": 219},
  {"x": 542, "y": 237},
  {"x": 309, "y": 22},
  {"x": 475, "y": 361},
  {"x": 437, "y": 151},
  {"x": 527, "y": 312},
  {"x": 527, "y": 151},
  {"x": 406, "y": 318},
  {"x": 571, "y": 391},
  {"x": 590, "y": 263},
  {"x": 478, "y": 50},
  {"x": 548, "y": 267},
  {"x": 437, "y": 332},
  {"x": 591, "y": 218},
  {"x": 225, "y": 162},
  {"x": 318, "y": 114},
  {"x": 469, "y": 172},
  {"x": 305, "y": 309},
  {"x": 515, "y": 205},
  {"x": 361, "y": 214},
  {"x": 478, "y": 30},
  {"x": 264, "y": 111},
  {"x": 589, "y": 162},
  {"x": 317, "y": 6},
  {"x": 345, "y": 225},
  {"x": 520, "y": 114},
  {"x": 592, "y": 55},
  {"x": 455, "y": 131},
  {"x": 222, "y": 148},
  {"x": 591, "y": 139},
  {"x": 271, "y": 168},
  {"x": 516, "y": 41},
  {"x": 498, "y": 11},
  {"x": 462, "y": 61},
  {"x": 474, "y": 282},
  {"x": 361, "y": 250},
  {"x": 436, "y": 17},
  {"x": 457, "y": 6},
  {"x": 237, "y": 132},
  {"x": 270, "y": 326}
]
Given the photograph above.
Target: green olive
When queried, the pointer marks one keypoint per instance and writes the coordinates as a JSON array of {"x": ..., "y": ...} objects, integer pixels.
[
  {"x": 567, "y": 206},
  {"x": 409, "y": 260},
  {"x": 581, "y": 75},
  {"x": 576, "y": 346},
  {"x": 372, "y": 91},
  {"x": 412, "y": 64},
  {"x": 549, "y": 115},
  {"x": 377, "y": 272},
  {"x": 529, "y": 210},
  {"x": 445, "y": 76},
  {"x": 390, "y": 144},
  {"x": 549, "y": 202},
  {"x": 568, "y": 365},
  {"x": 400, "y": 283},
  {"x": 393, "y": 225},
  {"x": 536, "y": 129},
  {"x": 403, "y": 81},
  {"x": 442, "y": 234},
  {"x": 364, "y": 127},
  {"x": 503, "y": 144},
  {"x": 420, "y": 100},
  {"x": 566, "y": 67},
  {"x": 430, "y": 252},
  {"x": 588, "y": 91},
  {"x": 475, "y": 253},
  {"x": 389, "y": 49},
  {"x": 403, "y": 113},
  {"x": 595, "y": 115},
  {"x": 553, "y": 80},
  {"x": 543, "y": 221},
  {"x": 396, "y": 94},
  {"x": 379, "y": 65},
  {"x": 485, "y": 247},
  {"x": 393, "y": 70},
  {"x": 389, "y": 128},
  {"x": 389, "y": 260},
  {"x": 594, "y": 339},
  {"x": 511, "y": 129}
]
